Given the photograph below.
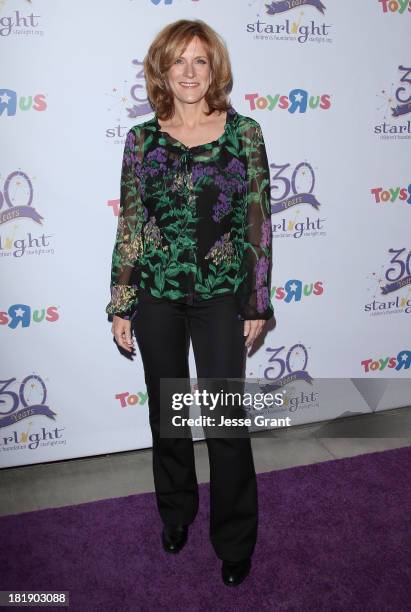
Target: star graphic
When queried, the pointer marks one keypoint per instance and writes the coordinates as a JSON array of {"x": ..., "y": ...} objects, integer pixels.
[{"x": 5, "y": 98}]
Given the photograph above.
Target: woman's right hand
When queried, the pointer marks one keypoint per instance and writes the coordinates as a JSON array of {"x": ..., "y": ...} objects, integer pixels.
[{"x": 121, "y": 329}]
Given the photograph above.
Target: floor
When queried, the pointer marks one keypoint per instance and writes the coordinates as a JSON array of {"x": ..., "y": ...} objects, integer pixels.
[{"x": 75, "y": 481}]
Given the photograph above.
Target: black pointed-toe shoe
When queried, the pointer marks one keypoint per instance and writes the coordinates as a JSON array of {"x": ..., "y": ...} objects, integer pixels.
[
  {"x": 234, "y": 573},
  {"x": 174, "y": 537}
]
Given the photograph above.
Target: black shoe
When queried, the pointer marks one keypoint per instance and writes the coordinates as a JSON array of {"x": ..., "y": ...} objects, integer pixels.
[
  {"x": 174, "y": 537},
  {"x": 234, "y": 573}
]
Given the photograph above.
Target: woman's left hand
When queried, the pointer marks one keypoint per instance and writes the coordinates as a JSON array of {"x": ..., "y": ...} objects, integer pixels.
[{"x": 252, "y": 329}]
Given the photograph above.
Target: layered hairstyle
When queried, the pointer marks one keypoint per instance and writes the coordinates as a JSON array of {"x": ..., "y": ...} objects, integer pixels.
[{"x": 169, "y": 43}]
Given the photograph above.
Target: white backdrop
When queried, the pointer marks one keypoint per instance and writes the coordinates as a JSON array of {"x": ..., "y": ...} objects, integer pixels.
[{"x": 72, "y": 87}]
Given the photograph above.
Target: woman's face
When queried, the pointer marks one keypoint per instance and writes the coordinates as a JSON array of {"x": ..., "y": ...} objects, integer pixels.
[{"x": 190, "y": 75}]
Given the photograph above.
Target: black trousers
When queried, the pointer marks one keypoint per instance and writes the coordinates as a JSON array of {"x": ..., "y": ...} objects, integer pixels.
[{"x": 162, "y": 329}]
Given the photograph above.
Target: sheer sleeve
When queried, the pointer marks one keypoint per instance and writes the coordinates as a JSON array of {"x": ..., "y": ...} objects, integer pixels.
[
  {"x": 255, "y": 300},
  {"x": 128, "y": 242}
]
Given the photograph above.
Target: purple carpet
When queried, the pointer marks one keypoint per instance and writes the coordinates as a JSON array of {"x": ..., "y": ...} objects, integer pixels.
[{"x": 333, "y": 536}]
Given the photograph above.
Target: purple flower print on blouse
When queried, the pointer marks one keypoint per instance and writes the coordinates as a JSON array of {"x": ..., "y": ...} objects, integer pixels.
[
  {"x": 230, "y": 185},
  {"x": 265, "y": 233},
  {"x": 236, "y": 165},
  {"x": 200, "y": 170},
  {"x": 129, "y": 156},
  {"x": 262, "y": 299},
  {"x": 222, "y": 207},
  {"x": 141, "y": 189},
  {"x": 215, "y": 202},
  {"x": 159, "y": 157},
  {"x": 261, "y": 269},
  {"x": 130, "y": 140},
  {"x": 148, "y": 170},
  {"x": 221, "y": 182},
  {"x": 158, "y": 154}
]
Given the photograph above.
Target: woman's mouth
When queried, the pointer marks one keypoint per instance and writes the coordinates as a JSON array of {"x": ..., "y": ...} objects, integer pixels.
[{"x": 188, "y": 85}]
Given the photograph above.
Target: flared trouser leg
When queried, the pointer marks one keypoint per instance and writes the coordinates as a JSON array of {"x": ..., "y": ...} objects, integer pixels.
[
  {"x": 161, "y": 332},
  {"x": 162, "y": 329},
  {"x": 219, "y": 351}
]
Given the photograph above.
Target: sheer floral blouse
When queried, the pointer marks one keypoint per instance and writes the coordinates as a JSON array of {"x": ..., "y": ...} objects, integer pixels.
[{"x": 194, "y": 222}]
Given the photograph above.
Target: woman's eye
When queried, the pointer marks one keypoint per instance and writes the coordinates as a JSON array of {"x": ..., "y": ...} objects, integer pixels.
[{"x": 199, "y": 61}]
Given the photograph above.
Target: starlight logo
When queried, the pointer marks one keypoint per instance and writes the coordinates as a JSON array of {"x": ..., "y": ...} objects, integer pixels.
[
  {"x": 18, "y": 195},
  {"x": 395, "y": 6},
  {"x": 18, "y": 23},
  {"x": 287, "y": 369},
  {"x": 395, "y": 105},
  {"x": 282, "y": 6},
  {"x": 16, "y": 204},
  {"x": 292, "y": 188},
  {"x": 10, "y": 103},
  {"x": 297, "y": 100},
  {"x": 24, "y": 315},
  {"x": 400, "y": 274},
  {"x": 275, "y": 24},
  {"x": 29, "y": 245},
  {"x": 393, "y": 278},
  {"x": 284, "y": 369},
  {"x": 388, "y": 195},
  {"x": 27, "y": 400},
  {"x": 401, "y": 361},
  {"x": 128, "y": 102}
]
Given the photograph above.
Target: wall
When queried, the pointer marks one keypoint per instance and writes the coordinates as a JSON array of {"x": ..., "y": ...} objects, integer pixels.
[{"x": 330, "y": 84}]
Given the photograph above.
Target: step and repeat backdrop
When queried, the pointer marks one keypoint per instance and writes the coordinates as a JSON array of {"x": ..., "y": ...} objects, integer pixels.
[{"x": 330, "y": 84}]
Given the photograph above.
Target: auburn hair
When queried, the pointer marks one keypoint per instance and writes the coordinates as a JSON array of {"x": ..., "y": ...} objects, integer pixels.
[{"x": 168, "y": 44}]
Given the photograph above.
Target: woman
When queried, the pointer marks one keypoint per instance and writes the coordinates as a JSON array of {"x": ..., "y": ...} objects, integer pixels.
[{"x": 192, "y": 258}]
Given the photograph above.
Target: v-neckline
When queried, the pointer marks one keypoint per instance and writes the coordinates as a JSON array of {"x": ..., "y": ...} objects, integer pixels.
[{"x": 229, "y": 113}]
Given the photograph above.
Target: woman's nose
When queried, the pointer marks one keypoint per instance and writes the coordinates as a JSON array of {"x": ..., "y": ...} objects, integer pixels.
[{"x": 189, "y": 70}]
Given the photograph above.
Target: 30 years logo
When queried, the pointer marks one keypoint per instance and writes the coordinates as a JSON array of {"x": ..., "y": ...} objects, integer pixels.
[{"x": 395, "y": 276}]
